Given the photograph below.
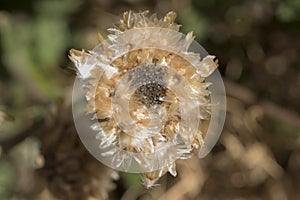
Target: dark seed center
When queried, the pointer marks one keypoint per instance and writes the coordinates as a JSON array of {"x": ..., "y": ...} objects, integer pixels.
[{"x": 150, "y": 94}]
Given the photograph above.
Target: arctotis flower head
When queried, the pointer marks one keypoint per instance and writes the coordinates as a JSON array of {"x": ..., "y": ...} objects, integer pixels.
[{"x": 147, "y": 94}]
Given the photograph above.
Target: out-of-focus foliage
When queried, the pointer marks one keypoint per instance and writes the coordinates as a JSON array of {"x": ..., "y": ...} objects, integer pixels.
[
  {"x": 6, "y": 179},
  {"x": 289, "y": 11},
  {"x": 257, "y": 44},
  {"x": 33, "y": 47}
]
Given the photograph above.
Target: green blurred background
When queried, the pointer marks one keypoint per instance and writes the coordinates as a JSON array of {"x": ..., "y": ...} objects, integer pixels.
[{"x": 257, "y": 43}]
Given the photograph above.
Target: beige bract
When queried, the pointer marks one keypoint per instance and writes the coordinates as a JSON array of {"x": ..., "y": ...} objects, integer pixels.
[{"x": 148, "y": 94}]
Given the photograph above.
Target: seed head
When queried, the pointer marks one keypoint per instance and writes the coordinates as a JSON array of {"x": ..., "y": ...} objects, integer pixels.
[{"x": 148, "y": 94}]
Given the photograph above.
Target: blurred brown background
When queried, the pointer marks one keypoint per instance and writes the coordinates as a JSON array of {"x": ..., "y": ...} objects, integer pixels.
[{"x": 257, "y": 157}]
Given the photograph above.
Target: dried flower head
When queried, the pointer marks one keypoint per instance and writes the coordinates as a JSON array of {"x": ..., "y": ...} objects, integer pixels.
[{"x": 147, "y": 92}]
